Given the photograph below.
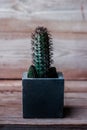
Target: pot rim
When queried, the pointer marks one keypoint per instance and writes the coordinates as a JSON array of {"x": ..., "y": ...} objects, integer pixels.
[{"x": 60, "y": 77}]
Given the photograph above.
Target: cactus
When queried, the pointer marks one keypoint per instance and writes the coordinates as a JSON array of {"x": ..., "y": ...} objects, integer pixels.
[
  {"x": 32, "y": 73},
  {"x": 42, "y": 52}
]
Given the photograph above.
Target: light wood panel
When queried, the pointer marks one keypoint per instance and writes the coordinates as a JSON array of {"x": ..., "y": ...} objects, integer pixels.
[
  {"x": 14, "y": 86},
  {"x": 70, "y": 57},
  {"x": 67, "y": 24},
  {"x": 38, "y": 5}
]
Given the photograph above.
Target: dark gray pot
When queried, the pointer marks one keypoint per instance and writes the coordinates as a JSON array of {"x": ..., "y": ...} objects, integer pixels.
[{"x": 43, "y": 97}]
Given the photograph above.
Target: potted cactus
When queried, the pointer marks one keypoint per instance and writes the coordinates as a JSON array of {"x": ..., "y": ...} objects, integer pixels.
[{"x": 43, "y": 86}]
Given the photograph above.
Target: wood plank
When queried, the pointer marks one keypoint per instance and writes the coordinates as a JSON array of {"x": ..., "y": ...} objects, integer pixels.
[
  {"x": 13, "y": 86},
  {"x": 43, "y": 4},
  {"x": 76, "y": 86},
  {"x": 69, "y": 57},
  {"x": 26, "y": 26},
  {"x": 73, "y": 32},
  {"x": 61, "y": 15},
  {"x": 75, "y": 108}
]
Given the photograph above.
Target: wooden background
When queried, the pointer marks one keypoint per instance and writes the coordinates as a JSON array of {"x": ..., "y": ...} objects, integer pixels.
[
  {"x": 67, "y": 22},
  {"x": 65, "y": 19}
]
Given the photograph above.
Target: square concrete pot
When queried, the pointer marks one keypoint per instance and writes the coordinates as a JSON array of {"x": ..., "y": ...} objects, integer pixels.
[{"x": 43, "y": 97}]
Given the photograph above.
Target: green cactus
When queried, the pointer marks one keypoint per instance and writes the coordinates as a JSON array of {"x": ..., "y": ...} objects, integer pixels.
[
  {"x": 41, "y": 47},
  {"x": 42, "y": 53},
  {"x": 32, "y": 73}
]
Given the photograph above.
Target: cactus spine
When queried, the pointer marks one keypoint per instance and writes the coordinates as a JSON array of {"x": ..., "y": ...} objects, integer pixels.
[{"x": 41, "y": 51}]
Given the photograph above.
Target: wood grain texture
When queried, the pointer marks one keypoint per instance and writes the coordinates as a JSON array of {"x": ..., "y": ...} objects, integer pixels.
[
  {"x": 11, "y": 86},
  {"x": 69, "y": 57},
  {"x": 67, "y": 22},
  {"x": 75, "y": 107},
  {"x": 38, "y": 5}
]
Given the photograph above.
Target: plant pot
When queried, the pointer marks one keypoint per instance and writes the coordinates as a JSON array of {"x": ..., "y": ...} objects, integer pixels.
[{"x": 43, "y": 97}]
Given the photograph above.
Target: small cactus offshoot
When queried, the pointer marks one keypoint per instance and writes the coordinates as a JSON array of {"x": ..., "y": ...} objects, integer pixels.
[
  {"x": 42, "y": 53},
  {"x": 32, "y": 73}
]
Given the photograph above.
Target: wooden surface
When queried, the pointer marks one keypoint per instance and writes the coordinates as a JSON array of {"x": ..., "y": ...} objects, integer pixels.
[
  {"x": 67, "y": 22},
  {"x": 75, "y": 108},
  {"x": 65, "y": 19}
]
